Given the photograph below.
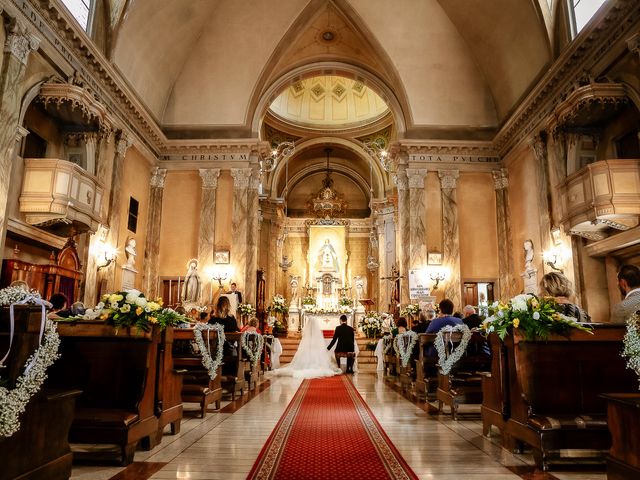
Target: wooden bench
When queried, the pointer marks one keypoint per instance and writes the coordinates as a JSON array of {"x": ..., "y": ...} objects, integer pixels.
[
  {"x": 463, "y": 383},
  {"x": 197, "y": 384},
  {"x": 169, "y": 381},
  {"x": 389, "y": 358},
  {"x": 40, "y": 448},
  {"x": 251, "y": 370},
  {"x": 495, "y": 392},
  {"x": 555, "y": 387},
  {"x": 407, "y": 373},
  {"x": 116, "y": 372},
  {"x": 233, "y": 368},
  {"x": 426, "y": 370}
]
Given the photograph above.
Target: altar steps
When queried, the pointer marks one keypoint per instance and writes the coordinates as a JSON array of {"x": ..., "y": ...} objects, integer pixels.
[{"x": 366, "y": 360}]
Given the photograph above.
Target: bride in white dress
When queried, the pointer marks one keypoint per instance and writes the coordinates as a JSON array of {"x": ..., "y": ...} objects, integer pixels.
[{"x": 312, "y": 360}]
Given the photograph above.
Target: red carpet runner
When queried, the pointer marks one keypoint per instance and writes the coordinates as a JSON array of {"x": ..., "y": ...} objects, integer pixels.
[{"x": 328, "y": 432}]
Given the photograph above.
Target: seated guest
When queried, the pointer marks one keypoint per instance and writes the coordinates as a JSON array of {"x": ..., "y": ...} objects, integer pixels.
[
  {"x": 559, "y": 287},
  {"x": 78, "y": 309},
  {"x": 471, "y": 319},
  {"x": 447, "y": 319},
  {"x": 222, "y": 316},
  {"x": 203, "y": 317},
  {"x": 251, "y": 326},
  {"x": 401, "y": 325},
  {"x": 420, "y": 326},
  {"x": 58, "y": 306},
  {"x": 629, "y": 285}
]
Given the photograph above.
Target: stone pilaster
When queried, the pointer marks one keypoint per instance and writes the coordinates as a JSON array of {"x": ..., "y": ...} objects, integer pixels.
[
  {"x": 253, "y": 206},
  {"x": 418, "y": 232},
  {"x": 18, "y": 44},
  {"x": 506, "y": 268},
  {"x": 539, "y": 148},
  {"x": 206, "y": 233},
  {"x": 241, "y": 180},
  {"x": 152, "y": 243},
  {"x": 451, "y": 235},
  {"x": 404, "y": 238}
]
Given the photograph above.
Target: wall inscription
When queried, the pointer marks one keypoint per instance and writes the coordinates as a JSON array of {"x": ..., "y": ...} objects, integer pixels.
[{"x": 446, "y": 158}]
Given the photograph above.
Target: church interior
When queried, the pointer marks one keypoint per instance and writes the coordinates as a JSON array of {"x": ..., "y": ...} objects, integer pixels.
[{"x": 299, "y": 161}]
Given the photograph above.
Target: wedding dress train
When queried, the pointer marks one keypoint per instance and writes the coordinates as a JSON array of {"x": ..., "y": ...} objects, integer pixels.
[{"x": 312, "y": 360}]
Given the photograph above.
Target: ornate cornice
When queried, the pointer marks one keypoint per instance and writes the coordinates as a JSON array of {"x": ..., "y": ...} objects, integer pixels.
[
  {"x": 209, "y": 177},
  {"x": 158, "y": 177},
  {"x": 568, "y": 72}
]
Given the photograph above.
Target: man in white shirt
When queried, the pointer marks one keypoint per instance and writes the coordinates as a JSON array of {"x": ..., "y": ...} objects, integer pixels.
[{"x": 629, "y": 284}]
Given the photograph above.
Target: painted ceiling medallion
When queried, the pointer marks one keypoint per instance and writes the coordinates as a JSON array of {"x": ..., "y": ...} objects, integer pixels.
[{"x": 328, "y": 36}]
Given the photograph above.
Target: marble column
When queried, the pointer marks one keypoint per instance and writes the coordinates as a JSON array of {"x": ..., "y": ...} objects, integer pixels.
[
  {"x": 404, "y": 238},
  {"x": 539, "y": 147},
  {"x": 418, "y": 233},
  {"x": 241, "y": 180},
  {"x": 506, "y": 269},
  {"x": 451, "y": 235},
  {"x": 206, "y": 233},
  {"x": 152, "y": 243},
  {"x": 253, "y": 206},
  {"x": 17, "y": 46}
]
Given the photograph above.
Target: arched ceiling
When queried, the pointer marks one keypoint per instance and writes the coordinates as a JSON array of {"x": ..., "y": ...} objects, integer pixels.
[{"x": 206, "y": 64}]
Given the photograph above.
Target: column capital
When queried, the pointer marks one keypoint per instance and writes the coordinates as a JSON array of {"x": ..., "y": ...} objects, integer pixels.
[
  {"x": 448, "y": 178},
  {"x": 209, "y": 177},
  {"x": 158, "y": 177},
  {"x": 19, "y": 41},
  {"x": 633, "y": 43},
  {"x": 500, "y": 179},
  {"x": 416, "y": 177},
  {"x": 123, "y": 143},
  {"x": 241, "y": 177},
  {"x": 400, "y": 178}
]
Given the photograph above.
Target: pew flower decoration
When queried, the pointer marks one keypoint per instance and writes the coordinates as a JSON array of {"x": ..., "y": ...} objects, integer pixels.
[
  {"x": 412, "y": 310},
  {"x": 246, "y": 309},
  {"x": 403, "y": 345},
  {"x": 632, "y": 343},
  {"x": 536, "y": 317},
  {"x": 371, "y": 324},
  {"x": 448, "y": 358},
  {"x": 252, "y": 349},
  {"x": 209, "y": 362},
  {"x": 387, "y": 343},
  {"x": 13, "y": 295},
  {"x": 278, "y": 304}
]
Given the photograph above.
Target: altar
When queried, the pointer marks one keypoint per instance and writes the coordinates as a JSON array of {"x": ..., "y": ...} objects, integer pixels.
[{"x": 328, "y": 321}]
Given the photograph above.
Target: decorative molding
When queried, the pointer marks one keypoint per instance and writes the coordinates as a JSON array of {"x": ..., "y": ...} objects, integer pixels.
[
  {"x": 209, "y": 177},
  {"x": 158, "y": 177},
  {"x": 589, "y": 235},
  {"x": 500, "y": 179},
  {"x": 241, "y": 177},
  {"x": 19, "y": 41},
  {"x": 416, "y": 177},
  {"x": 123, "y": 143},
  {"x": 401, "y": 180},
  {"x": 442, "y": 151},
  {"x": 633, "y": 43},
  {"x": 448, "y": 179}
]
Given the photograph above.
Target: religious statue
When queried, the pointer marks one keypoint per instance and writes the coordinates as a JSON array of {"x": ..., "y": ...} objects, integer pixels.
[
  {"x": 130, "y": 252},
  {"x": 327, "y": 258},
  {"x": 359, "y": 283},
  {"x": 530, "y": 274},
  {"x": 294, "y": 290},
  {"x": 192, "y": 283}
]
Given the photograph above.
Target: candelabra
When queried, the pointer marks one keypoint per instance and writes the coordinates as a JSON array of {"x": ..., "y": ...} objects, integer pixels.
[{"x": 437, "y": 277}]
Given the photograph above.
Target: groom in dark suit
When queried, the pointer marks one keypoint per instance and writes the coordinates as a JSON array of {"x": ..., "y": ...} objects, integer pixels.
[{"x": 344, "y": 335}]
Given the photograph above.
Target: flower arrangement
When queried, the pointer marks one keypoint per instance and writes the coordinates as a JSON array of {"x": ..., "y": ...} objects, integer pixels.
[
  {"x": 278, "y": 304},
  {"x": 210, "y": 363},
  {"x": 132, "y": 309},
  {"x": 246, "y": 309},
  {"x": 253, "y": 350},
  {"x": 535, "y": 317},
  {"x": 276, "y": 325},
  {"x": 371, "y": 324},
  {"x": 13, "y": 295},
  {"x": 308, "y": 301},
  {"x": 345, "y": 302},
  {"x": 448, "y": 358},
  {"x": 410, "y": 310},
  {"x": 403, "y": 345},
  {"x": 632, "y": 343}
]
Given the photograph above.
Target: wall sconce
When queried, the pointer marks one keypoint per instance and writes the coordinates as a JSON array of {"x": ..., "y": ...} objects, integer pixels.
[
  {"x": 220, "y": 275},
  {"x": 107, "y": 252},
  {"x": 555, "y": 258},
  {"x": 437, "y": 277},
  {"x": 281, "y": 151}
]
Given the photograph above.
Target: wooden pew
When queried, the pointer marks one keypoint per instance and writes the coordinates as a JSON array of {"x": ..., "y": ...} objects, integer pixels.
[
  {"x": 495, "y": 391},
  {"x": 40, "y": 448},
  {"x": 251, "y": 371},
  {"x": 463, "y": 383},
  {"x": 233, "y": 368},
  {"x": 117, "y": 375},
  {"x": 407, "y": 374},
  {"x": 169, "y": 381},
  {"x": 197, "y": 386},
  {"x": 389, "y": 358},
  {"x": 426, "y": 370},
  {"x": 555, "y": 387}
]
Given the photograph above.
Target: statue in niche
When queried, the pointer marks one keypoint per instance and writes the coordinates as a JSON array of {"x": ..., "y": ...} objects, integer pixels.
[
  {"x": 130, "y": 252},
  {"x": 327, "y": 258},
  {"x": 293, "y": 283},
  {"x": 359, "y": 283},
  {"x": 192, "y": 285},
  {"x": 530, "y": 274}
]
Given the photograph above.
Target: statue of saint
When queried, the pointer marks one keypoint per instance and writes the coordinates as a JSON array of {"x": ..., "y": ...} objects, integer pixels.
[
  {"x": 530, "y": 274},
  {"x": 359, "y": 282},
  {"x": 528, "y": 255},
  {"x": 294, "y": 290},
  {"x": 130, "y": 252},
  {"x": 327, "y": 258},
  {"x": 192, "y": 283}
]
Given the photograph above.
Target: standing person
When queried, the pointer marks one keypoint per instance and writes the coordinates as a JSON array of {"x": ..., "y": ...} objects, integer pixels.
[
  {"x": 629, "y": 285},
  {"x": 559, "y": 287},
  {"x": 345, "y": 336},
  {"x": 222, "y": 316},
  {"x": 234, "y": 291}
]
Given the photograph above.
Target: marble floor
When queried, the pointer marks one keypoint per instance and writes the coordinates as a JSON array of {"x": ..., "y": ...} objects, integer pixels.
[{"x": 225, "y": 445}]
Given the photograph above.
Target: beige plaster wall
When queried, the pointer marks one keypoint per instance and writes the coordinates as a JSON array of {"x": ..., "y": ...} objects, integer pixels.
[
  {"x": 478, "y": 228},
  {"x": 180, "y": 222},
  {"x": 135, "y": 183}
]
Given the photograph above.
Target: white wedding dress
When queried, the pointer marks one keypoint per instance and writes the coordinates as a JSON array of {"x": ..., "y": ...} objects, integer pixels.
[{"x": 312, "y": 360}]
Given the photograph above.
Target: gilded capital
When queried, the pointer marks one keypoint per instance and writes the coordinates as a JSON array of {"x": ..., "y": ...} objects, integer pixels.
[
  {"x": 209, "y": 177},
  {"x": 500, "y": 179},
  {"x": 158, "y": 177},
  {"x": 448, "y": 179}
]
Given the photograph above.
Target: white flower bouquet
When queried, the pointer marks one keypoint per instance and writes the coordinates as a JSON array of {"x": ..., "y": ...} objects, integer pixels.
[{"x": 371, "y": 324}]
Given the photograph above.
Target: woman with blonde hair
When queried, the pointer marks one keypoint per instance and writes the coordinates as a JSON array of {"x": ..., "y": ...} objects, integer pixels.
[
  {"x": 251, "y": 326},
  {"x": 222, "y": 316},
  {"x": 559, "y": 287}
]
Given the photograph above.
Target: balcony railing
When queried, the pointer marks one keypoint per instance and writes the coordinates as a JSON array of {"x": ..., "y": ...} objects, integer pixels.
[
  {"x": 602, "y": 195},
  {"x": 60, "y": 196}
]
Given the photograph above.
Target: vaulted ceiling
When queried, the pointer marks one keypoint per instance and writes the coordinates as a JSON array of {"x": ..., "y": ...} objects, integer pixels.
[{"x": 212, "y": 67}]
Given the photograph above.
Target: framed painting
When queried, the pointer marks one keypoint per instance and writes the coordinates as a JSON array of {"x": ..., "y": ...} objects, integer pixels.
[{"x": 222, "y": 256}]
